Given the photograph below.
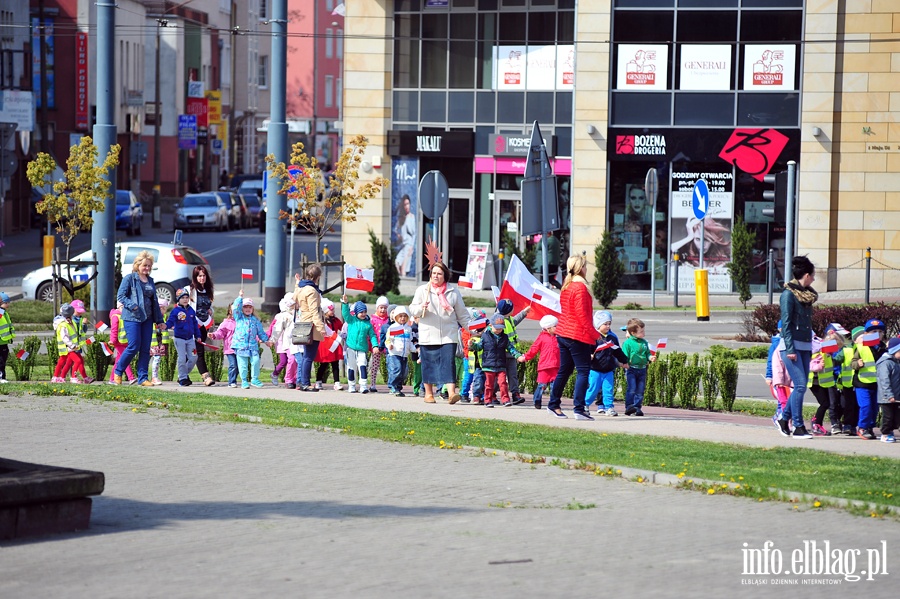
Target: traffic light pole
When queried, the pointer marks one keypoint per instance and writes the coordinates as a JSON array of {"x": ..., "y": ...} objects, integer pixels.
[{"x": 789, "y": 236}]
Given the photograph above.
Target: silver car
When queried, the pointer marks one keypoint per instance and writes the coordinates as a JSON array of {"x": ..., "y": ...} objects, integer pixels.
[{"x": 202, "y": 211}]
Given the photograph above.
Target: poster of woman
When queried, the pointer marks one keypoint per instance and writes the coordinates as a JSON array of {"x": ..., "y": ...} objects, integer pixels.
[{"x": 404, "y": 214}]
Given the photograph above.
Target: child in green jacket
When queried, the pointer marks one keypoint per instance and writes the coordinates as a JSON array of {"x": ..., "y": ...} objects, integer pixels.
[
  {"x": 637, "y": 350},
  {"x": 360, "y": 338}
]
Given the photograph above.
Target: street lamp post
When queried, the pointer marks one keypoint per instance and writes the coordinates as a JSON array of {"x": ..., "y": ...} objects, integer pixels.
[{"x": 157, "y": 122}]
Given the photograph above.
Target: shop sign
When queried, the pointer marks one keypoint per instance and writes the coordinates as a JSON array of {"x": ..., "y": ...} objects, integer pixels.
[
  {"x": 504, "y": 144},
  {"x": 534, "y": 67},
  {"x": 425, "y": 143},
  {"x": 769, "y": 67},
  {"x": 645, "y": 145},
  {"x": 705, "y": 67},
  {"x": 81, "y": 81},
  {"x": 754, "y": 151},
  {"x": 642, "y": 67}
]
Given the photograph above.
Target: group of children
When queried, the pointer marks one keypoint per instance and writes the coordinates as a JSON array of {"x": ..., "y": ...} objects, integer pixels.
[{"x": 850, "y": 375}]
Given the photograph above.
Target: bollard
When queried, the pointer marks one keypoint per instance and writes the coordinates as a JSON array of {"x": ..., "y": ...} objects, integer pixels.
[
  {"x": 49, "y": 241},
  {"x": 770, "y": 274},
  {"x": 868, "y": 271},
  {"x": 675, "y": 259},
  {"x": 325, "y": 268},
  {"x": 701, "y": 290},
  {"x": 261, "y": 254}
]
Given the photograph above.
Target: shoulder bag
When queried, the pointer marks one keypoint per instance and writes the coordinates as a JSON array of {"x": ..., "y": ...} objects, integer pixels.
[{"x": 301, "y": 334}]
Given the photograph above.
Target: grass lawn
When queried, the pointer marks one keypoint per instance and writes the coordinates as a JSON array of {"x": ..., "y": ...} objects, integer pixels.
[{"x": 741, "y": 470}]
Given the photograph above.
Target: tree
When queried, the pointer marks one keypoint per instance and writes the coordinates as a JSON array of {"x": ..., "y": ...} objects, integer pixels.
[
  {"x": 742, "y": 241},
  {"x": 71, "y": 201},
  {"x": 610, "y": 269},
  {"x": 320, "y": 204},
  {"x": 386, "y": 276}
]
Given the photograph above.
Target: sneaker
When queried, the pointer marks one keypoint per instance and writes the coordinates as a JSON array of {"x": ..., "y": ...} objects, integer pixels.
[
  {"x": 630, "y": 412},
  {"x": 373, "y": 389},
  {"x": 187, "y": 382},
  {"x": 537, "y": 405},
  {"x": 232, "y": 385},
  {"x": 507, "y": 404},
  {"x": 518, "y": 399},
  {"x": 183, "y": 382},
  {"x": 351, "y": 388},
  {"x": 464, "y": 399},
  {"x": 819, "y": 431},
  {"x": 611, "y": 412},
  {"x": 836, "y": 429},
  {"x": 257, "y": 384},
  {"x": 638, "y": 412},
  {"x": 489, "y": 404},
  {"x": 887, "y": 438},
  {"x": 847, "y": 430},
  {"x": 311, "y": 389},
  {"x": 337, "y": 387},
  {"x": 319, "y": 385},
  {"x": 146, "y": 384},
  {"x": 274, "y": 379},
  {"x": 600, "y": 411},
  {"x": 800, "y": 432},
  {"x": 495, "y": 401},
  {"x": 245, "y": 385},
  {"x": 399, "y": 394},
  {"x": 132, "y": 381},
  {"x": 866, "y": 433},
  {"x": 117, "y": 379},
  {"x": 784, "y": 428},
  {"x": 59, "y": 379},
  {"x": 291, "y": 385},
  {"x": 363, "y": 390},
  {"x": 156, "y": 382},
  {"x": 561, "y": 415},
  {"x": 583, "y": 415},
  {"x": 776, "y": 419},
  {"x": 478, "y": 401},
  {"x": 74, "y": 381}
]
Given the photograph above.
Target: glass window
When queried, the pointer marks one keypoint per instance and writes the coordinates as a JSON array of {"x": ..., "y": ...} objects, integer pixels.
[
  {"x": 482, "y": 139},
  {"x": 769, "y": 110},
  {"x": 487, "y": 34},
  {"x": 771, "y": 25},
  {"x": 644, "y": 3},
  {"x": 484, "y": 107},
  {"x": 434, "y": 25},
  {"x": 707, "y": 26},
  {"x": 512, "y": 27},
  {"x": 434, "y": 107},
  {"x": 406, "y": 106},
  {"x": 487, "y": 4},
  {"x": 461, "y": 107},
  {"x": 773, "y": 3},
  {"x": 704, "y": 109},
  {"x": 707, "y": 3},
  {"x": 329, "y": 91},
  {"x": 643, "y": 26},
  {"x": 263, "y": 73},
  {"x": 462, "y": 50},
  {"x": 510, "y": 107},
  {"x": 329, "y": 43},
  {"x": 541, "y": 28},
  {"x": 566, "y": 4},
  {"x": 539, "y": 107},
  {"x": 565, "y": 27},
  {"x": 563, "y": 141},
  {"x": 406, "y": 5},
  {"x": 434, "y": 64},
  {"x": 463, "y": 3},
  {"x": 340, "y": 43},
  {"x": 563, "y": 107},
  {"x": 406, "y": 51},
  {"x": 641, "y": 108}
]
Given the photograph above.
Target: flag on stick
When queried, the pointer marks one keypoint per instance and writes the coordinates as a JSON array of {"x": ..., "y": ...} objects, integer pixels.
[
  {"x": 101, "y": 327},
  {"x": 396, "y": 329},
  {"x": 246, "y": 273},
  {"x": 89, "y": 340},
  {"x": 479, "y": 324},
  {"x": 871, "y": 339},
  {"x": 839, "y": 329},
  {"x": 209, "y": 346},
  {"x": 335, "y": 344},
  {"x": 602, "y": 346},
  {"x": 361, "y": 279},
  {"x": 661, "y": 344},
  {"x": 523, "y": 289},
  {"x": 830, "y": 346},
  {"x": 464, "y": 282},
  {"x": 22, "y": 354},
  {"x": 106, "y": 349}
]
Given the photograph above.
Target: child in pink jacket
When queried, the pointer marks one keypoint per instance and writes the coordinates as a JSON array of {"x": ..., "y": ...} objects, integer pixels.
[
  {"x": 224, "y": 333},
  {"x": 781, "y": 385},
  {"x": 119, "y": 341},
  {"x": 548, "y": 361}
]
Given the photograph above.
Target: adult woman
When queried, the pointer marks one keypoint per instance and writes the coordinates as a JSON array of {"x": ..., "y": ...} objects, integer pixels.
[
  {"x": 201, "y": 301},
  {"x": 441, "y": 312},
  {"x": 796, "y": 303},
  {"x": 406, "y": 237},
  {"x": 576, "y": 337},
  {"x": 140, "y": 310},
  {"x": 308, "y": 304}
]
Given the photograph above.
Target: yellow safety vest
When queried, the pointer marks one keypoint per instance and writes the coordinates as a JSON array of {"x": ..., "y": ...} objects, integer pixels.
[
  {"x": 826, "y": 377},
  {"x": 61, "y": 347},
  {"x": 847, "y": 369},
  {"x": 6, "y": 329},
  {"x": 472, "y": 355},
  {"x": 121, "y": 335},
  {"x": 866, "y": 374},
  {"x": 509, "y": 328},
  {"x": 165, "y": 336}
]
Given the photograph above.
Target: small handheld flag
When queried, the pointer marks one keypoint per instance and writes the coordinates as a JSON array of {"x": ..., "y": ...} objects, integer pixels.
[
  {"x": 209, "y": 346},
  {"x": 396, "y": 329},
  {"x": 464, "y": 282},
  {"x": 478, "y": 324},
  {"x": 361, "y": 279},
  {"x": 830, "y": 346},
  {"x": 839, "y": 329},
  {"x": 22, "y": 354},
  {"x": 603, "y": 346},
  {"x": 661, "y": 344},
  {"x": 871, "y": 339},
  {"x": 89, "y": 340},
  {"x": 101, "y": 327},
  {"x": 106, "y": 349},
  {"x": 336, "y": 344},
  {"x": 246, "y": 273}
]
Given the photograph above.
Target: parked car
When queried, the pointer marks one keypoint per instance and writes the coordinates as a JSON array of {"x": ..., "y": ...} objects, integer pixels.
[
  {"x": 238, "y": 215},
  {"x": 252, "y": 184},
  {"x": 237, "y": 181},
  {"x": 202, "y": 211},
  {"x": 129, "y": 213},
  {"x": 254, "y": 205},
  {"x": 172, "y": 266}
]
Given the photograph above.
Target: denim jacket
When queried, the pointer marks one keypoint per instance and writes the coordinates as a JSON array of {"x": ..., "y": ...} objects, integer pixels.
[
  {"x": 131, "y": 294},
  {"x": 796, "y": 323}
]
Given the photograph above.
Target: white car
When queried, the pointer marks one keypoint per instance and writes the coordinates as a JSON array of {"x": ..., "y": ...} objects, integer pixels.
[
  {"x": 202, "y": 211},
  {"x": 172, "y": 266}
]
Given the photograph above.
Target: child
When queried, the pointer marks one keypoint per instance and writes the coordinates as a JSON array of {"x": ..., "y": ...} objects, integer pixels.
[
  {"x": 773, "y": 349},
  {"x": 821, "y": 383},
  {"x": 68, "y": 344},
  {"x": 495, "y": 346},
  {"x": 637, "y": 350},
  {"x": 865, "y": 381},
  {"x": 7, "y": 334},
  {"x": 396, "y": 341},
  {"x": 360, "y": 335},
  {"x": 248, "y": 332},
  {"x": 119, "y": 341},
  {"x": 888, "y": 369},
  {"x": 280, "y": 336},
  {"x": 471, "y": 358},
  {"x": 182, "y": 322},
  {"x": 606, "y": 358},
  {"x": 416, "y": 360},
  {"x": 505, "y": 307},
  {"x": 325, "y": 356},
  {"x": 225, "y": 333},
  {"x": 547, "y": 348},
  {"x": 836, "y": 411},
  {"x": 781, "y": 387},
  {"x": 847, "y": 392},
  {"x": 159, "y": 345},
  {"x": 379, "y": 319},
  {"x": 475, "y": 358}
]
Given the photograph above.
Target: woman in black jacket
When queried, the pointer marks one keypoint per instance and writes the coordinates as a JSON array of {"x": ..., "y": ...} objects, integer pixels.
[{"x": 796, "y": 302}]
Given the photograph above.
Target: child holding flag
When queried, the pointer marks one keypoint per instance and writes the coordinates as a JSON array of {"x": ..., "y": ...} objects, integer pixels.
[
  {"x": 547, "y": 348},
  {"x": 119, "y": 341},
  {"x": 159, "y": 345},
  {"x": 7, "y": 334},
  {"x": 496, "y": 346},
  {"x": 182, "y": 322},
  {"x": 331, "y": 350},
  {"x": 379, "y": 320},
  {"x": 865, "y": 381},
  {"x": 248, "y": 332},
  {"x": 225, "y": 333},
  {"x": 505, "y": 307},
  {"x": 821, "y": 380},
  {"x": 606, "y": 358},
  {"x": 637, "y": 350},
  {"x": 847, "y": 399},
  {"x": 360, "y": 336},
  {"x": 473, "y": 375},
  {"x": 68, "y": 345},
  {"x": 396, "y": 342}
]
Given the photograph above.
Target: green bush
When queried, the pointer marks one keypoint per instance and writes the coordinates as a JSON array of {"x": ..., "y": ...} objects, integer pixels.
[
  {"x": 755, "y": 352},
  {"x": 386, "y": 276},
  {"x": 689, "y": 382},
  {"x": 23, "y": 368},
  {"x": 710, "y": 383},
  {"x": 727, "y": 372},
  {"x": 214, "y": 361},
  {"x": 168, "y": 364},
  {"x": 52, "y": 353},
  {"x": 742, "y": 242},
  {"x": 609, "y": 270}
]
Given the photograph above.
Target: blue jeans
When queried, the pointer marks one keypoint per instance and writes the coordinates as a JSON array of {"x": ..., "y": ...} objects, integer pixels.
[
  {"x": 636, "y": 382},
  {"x": 140, "y": 335},
  {"x": 539, "y": 392},
  {"x": 798, "y": 370},
  {"x": 304, "y": 361},
  {"x": 396, "y": 367},
  {"x": 573, "y": 355},
  {"x": 466, "y": 385},
  {"x": 232, "y": 368},
  {"x": 868, "y": 407},
  {"x": 604, "y": 385}
]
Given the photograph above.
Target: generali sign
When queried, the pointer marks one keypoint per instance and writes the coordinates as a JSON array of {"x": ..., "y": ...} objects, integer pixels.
[
  {"x": 769, "y": 67},
  {"x": 642, "y": 67},
  {"x": 705, "y": 68}
]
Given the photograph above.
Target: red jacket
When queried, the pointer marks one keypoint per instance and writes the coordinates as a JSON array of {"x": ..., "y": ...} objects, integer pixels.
[
  {"x": 324, "y": 353},
  {"x": 548, "y": 361},
  {"x": 577, "y": 322}
]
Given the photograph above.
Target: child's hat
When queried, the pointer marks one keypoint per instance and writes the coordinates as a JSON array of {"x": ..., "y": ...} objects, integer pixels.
[
  {"x": 548, "y": 321},
  {"x": 78, "y": 306},
  {"x": 163, "y": 303},
  {"x": 857, "y": 331},
  {"x": 248, "y": 301},
  {"x": 67, "y": 311},
  {"x": 893, "y": 345},
  {"x": 284, "y": 304},
  {"x": 497, "y": 319},
  {"x": 182, "y": 293},
  {"x": 358, "y": 308},
  {"x": 398, "y": 311},
  {"x": 874, "y": 324},
  {"x": 600, "y": 317},
  {"x": 478, "y": 313},
  {"x": 4, "y": 298},
  {"x": 382, "y": 301},
  {"x": 504, "y": 307},
  {"x": 327, "y": 304}
]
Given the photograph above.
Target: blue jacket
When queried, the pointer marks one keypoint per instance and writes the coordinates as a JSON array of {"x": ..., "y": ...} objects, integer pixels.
[
  {"x": 248, "y": 331},
  {"x": 776, "y": 339},
  {"x": 796, "y": 323},
  {"x": 494, "y": 349},
  {"x": 131, "y": 295},
  {"x": 608, "y": 359},
  {"x": 183, "y": 323}
]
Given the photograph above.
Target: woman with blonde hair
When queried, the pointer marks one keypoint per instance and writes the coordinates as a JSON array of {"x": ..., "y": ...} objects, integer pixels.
[
  {"x": 140, "y": 310},
  {"x": 576, "y": 337},
  {"x": 308, "y": 304}
]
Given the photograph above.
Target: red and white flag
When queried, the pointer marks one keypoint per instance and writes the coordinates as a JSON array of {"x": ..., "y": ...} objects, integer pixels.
[
  {"x": 661, "y": 344},
  {"x": 396, "y": 329},
  {"x": 830, "y": 346},
  {"x": 464, "y": 282},
  {"x": 523, "y": 289},
  {"x": 101, "y": 327},
  {"x": 2, "y": 311},
  {"x": 22, "y": 354},
  {"x": 89, "y": 341},
  {"x": 246, "y": 273},
  {"x": 361, "y": 279},
  {"x": 335, "y": 344},
  {"x": 871, "y": 339},
  {"x": 206, "y": 323},
  {"x": 840, "y": 330},
  {"x": 602, "y": 346},
  {"x": 478, "y": 324},
  {"x": 106, "y": 349}
]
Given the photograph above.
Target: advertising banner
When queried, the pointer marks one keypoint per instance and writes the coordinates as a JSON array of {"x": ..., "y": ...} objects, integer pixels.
[
  {"x": 404, "y": 213},
  {"x": 534, "y": 67},
  {"x": 705, "y": 67},
  {"x": 642, "y": 67},
  {"x": 769, "y": 67}
]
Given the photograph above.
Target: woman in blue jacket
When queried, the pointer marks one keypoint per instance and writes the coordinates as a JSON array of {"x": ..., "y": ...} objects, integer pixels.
[
  {"x": 796, "y": 302},
  {"x": 140, "y": 311}
]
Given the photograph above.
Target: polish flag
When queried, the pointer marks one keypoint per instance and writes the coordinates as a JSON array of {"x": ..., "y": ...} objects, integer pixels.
[
  {"x": 464, "y": 282},
  {"x": 206, "y": 323},
  {"x": 478, "y": 324},
  {"x": 209, "y": 346},
  {"x": 246, "y": 273},
  {"x": 871, "y": 339},
  {"x": 602, "y": 346},
  {"x": 106, "y": 349},
  {"x": 396, "y": 329},
  {"x": 361, "y": 279},
  {"x": 830, "y": 346},
  {"x": 661, "y": 344},
  {"x": 335, "y": 345},
  {"x": 89, "y": 341},
  {"x": 101, "y": 327},
  {"x": 2, "y": 311},
  {"x": 839, "y": 329},
  {"x": 523, "y": 289},
  {"x": 22, "y": 354}
]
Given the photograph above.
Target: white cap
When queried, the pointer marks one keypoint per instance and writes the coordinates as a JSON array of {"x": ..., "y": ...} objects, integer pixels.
[
  {"x": 382, "y": 301},
  {"x": 548, "y": 321}
]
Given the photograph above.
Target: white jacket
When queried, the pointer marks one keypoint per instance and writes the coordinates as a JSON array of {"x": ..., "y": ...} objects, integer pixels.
[
  {"x": 281, "y": 332},
  {"x": 436, "y": 327}
]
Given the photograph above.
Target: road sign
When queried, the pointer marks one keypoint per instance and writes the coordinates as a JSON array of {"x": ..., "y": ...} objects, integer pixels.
[
  {"x": 187, "y": 132},
  {"x": 540, "y": 211},
  {"x": 434, "y": 194},
  {"x": 651, "y": 186},
  {"x": 700, "y": 199},
  {"x": 217, "y": 147}
]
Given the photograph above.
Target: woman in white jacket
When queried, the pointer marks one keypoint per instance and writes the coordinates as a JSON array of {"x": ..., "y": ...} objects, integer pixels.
[{"x": 441, "y": 312}]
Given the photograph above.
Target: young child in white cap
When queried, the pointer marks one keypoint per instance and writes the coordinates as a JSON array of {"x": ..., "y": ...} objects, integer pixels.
[
  {"x": 547, "y": 348},
  {"x": 608, "y": 356},
  {"x": 396, "y": 342},
  {"x": 379, "y": 319}
]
